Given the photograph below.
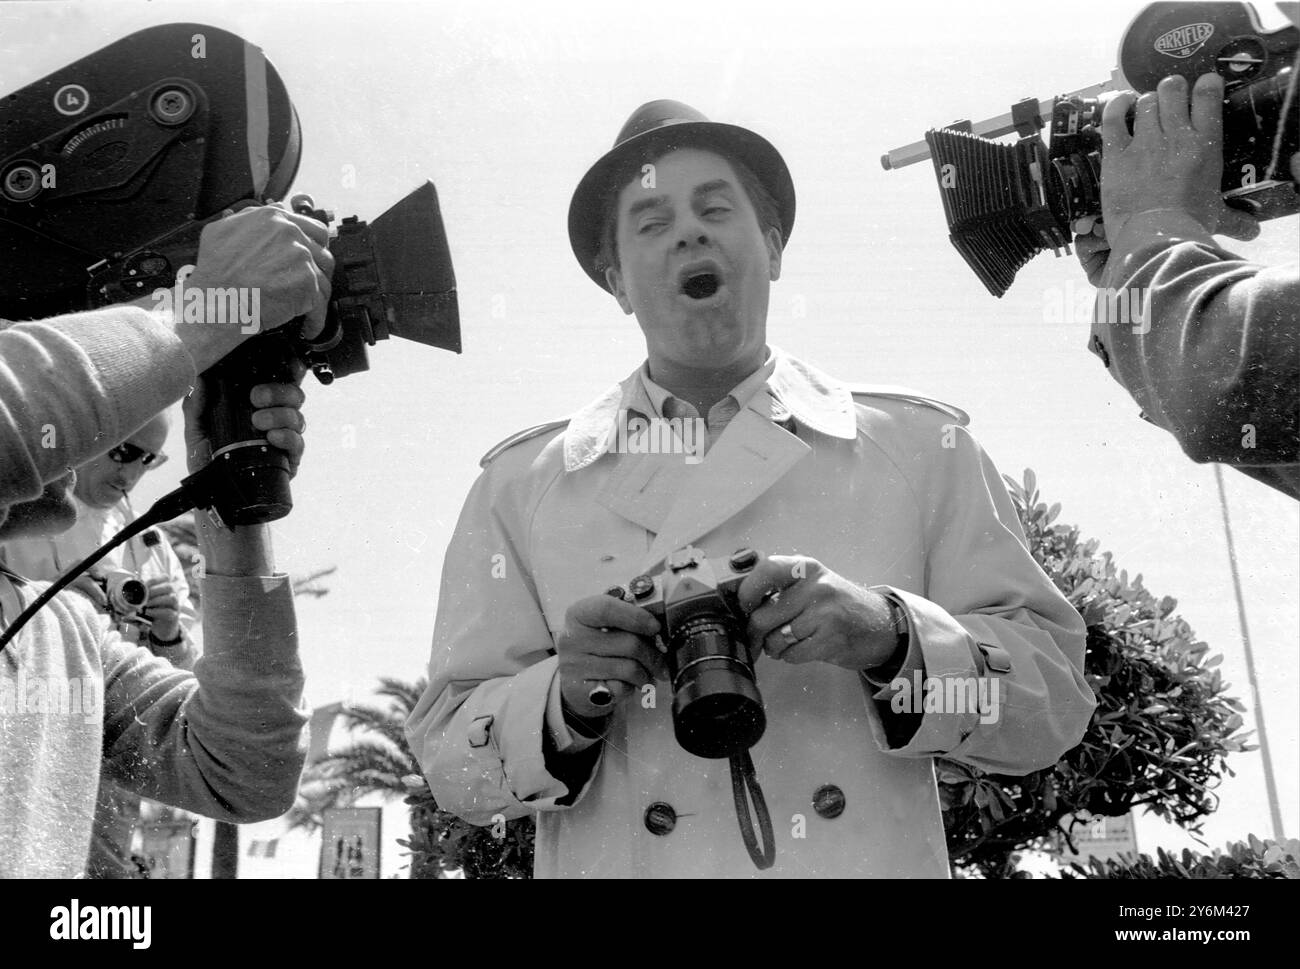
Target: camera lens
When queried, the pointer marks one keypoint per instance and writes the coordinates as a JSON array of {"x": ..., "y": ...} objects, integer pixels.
[
  {"x": 717, "y": 710},
  {"x": 132, "y": 593}
]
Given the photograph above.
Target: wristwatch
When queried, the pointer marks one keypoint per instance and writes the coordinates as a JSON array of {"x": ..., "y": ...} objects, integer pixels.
[
  {"x": 166, "y": 643},
  {"x": 898, "y": 620}
]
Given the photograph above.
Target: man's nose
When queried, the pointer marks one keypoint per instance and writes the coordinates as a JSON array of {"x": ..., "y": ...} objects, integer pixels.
[
  {"x": 692, "y": 231},
  {"x": 132, "y": 474}
]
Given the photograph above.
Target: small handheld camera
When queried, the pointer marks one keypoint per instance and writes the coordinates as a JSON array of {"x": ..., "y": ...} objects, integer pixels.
[
  {"x": 717, "y": 709},
  {"x": 125, "y": 593}
]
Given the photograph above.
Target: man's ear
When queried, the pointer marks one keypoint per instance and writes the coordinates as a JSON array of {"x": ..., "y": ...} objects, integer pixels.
[
  {"x": 614, "y": 279},
  {"x": 773, "y": 239}
]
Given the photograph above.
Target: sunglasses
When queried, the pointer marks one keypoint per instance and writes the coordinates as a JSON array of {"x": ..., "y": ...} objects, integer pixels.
[{"x": 128, "y": 453}]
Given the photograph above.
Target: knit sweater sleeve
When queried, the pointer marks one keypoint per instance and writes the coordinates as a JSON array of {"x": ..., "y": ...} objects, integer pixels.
[
  {"x": 227, "y": 740},
  {"x": 73, "y": 386}
]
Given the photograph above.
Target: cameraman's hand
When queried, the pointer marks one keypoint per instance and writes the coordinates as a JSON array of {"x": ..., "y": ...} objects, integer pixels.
[
  {"x": 1093, "y": 250},
  {"x": 163, "y": 609},
  {"x": 281, "y": 254},
  {"x": 88, "y": 587},
  {"x": 605, "y": 640},
  {"x": 279, "y": 416},
  {"x": 1172, "y": 161}
]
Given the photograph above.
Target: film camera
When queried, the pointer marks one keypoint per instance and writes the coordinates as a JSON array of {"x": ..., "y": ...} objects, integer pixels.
[
  {"x": 125, "y": 593},
  {"x": 717, "y": 709},
  {"x": 1005, "y": 203},
  {"x": 111, "y": 167}
]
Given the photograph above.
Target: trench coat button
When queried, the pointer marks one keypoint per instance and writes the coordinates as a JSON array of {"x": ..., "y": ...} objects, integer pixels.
[
  {"x": 660, "y": 818},
  {"x": 828, "y": 801},
  {"x": 1099, "y": 348}
]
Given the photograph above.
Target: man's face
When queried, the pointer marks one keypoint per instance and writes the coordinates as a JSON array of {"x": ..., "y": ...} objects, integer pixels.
[
  {"x": 694, "y": 265},
  {"x": 104, "y": 482}
]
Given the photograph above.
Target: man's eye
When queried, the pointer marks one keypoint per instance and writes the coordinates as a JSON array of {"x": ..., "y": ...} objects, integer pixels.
[
  {"x": 717, "y": 208},
  {"x": 648, "y": 227}
]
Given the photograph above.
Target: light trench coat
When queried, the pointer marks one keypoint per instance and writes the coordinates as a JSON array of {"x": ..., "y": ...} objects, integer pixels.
[{"x": 888, "y": 489}]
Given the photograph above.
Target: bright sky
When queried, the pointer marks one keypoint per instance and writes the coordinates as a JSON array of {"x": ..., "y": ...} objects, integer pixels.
[{"x": 505, "y": 109}]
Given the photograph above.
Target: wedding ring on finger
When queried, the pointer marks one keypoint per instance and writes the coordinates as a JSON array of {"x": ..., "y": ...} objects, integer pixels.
[{"x": 790, "y": 638}]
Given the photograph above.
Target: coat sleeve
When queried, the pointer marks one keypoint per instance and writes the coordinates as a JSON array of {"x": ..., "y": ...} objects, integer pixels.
[
  {"x": 226, "y": 741},
  {"x": 478, "y": 731},
  {"x": 1215, "y": 352},
  {"x": 990, "y": 614}
]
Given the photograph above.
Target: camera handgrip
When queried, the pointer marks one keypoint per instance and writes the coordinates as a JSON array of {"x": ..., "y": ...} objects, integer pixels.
[{"x": 249, "y": 477}]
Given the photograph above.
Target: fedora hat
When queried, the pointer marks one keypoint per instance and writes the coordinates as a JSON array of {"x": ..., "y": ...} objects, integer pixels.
[{"x": 654, "y": 129}]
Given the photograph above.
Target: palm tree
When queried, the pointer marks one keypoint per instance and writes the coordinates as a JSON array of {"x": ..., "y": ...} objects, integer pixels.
[{"x": 379, "y": 761}]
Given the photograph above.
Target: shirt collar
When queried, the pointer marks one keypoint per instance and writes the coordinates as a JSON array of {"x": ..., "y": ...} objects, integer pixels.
[
  {"x": 809, "y": 396},
  {"x": 658, "y": 396}
]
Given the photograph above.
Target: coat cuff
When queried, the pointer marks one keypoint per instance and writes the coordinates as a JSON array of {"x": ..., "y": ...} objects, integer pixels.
[
  {"x": 518, "y": 742},
  {"x": 565, "y": 740},
  {"x": 946, "y": 655}
]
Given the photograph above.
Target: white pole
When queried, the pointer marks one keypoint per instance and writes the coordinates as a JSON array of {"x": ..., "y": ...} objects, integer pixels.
[{"x": 1273, "y": 809}]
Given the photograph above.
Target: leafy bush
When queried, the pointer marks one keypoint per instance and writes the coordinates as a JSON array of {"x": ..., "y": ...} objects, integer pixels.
[
  {"x": 1158, "y": 739},
  {"x": 1243, "y": 859}
]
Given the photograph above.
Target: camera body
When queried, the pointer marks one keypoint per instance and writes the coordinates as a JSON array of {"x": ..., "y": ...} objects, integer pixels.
[
  {"x": 125, "y": 593},
  {"x": 717, "y": 709}
]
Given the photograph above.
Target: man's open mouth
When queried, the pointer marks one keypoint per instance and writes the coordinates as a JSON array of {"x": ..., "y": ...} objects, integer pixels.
[
  {"x": 701, "y": 286},
  {"x": 700, "y": 280}
]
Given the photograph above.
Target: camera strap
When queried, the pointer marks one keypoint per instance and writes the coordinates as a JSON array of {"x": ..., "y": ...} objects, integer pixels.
[{"x": 744, "y": 786}]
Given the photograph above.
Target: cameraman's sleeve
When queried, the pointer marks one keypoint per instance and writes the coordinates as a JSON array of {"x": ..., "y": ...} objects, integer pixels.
[
  {"x": 226, "y": 741},
  {"x": 1213, "y": 356},
  {"x": 73, "y": 386},
  {"x": 991, "y": 628},
  {"x": 478, "y": 731}
]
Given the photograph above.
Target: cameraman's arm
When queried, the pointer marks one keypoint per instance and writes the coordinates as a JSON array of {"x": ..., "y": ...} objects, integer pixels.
[
  {"x": 1204, "y": 341},
  {"x": 226, "y": 740},
  {"x": 72, "y": 385},
  {"x": 230, "y": 748},
  {"x": 1215, "y": 359}
]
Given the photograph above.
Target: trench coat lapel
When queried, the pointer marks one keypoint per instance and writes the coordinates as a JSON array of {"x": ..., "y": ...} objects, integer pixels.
[
  {"x": 750, "y": 457},
  {"x": 643, "y": 488},
  {"x": 673, "y": 499}
]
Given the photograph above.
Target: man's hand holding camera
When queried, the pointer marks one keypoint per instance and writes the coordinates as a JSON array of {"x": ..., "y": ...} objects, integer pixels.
[
  {"x": 610, "y": 641},
  {"x": 163, "y": 610},
  {"x": 799, "y": 612},
  {"x": 1172, "y": 162},
  {"x": 802, "y": 612},
  {"x": 283, "y": 255},
  {"x": 244, "y": 550}
]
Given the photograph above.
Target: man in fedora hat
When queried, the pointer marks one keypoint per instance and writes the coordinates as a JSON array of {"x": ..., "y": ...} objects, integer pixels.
[{"x": 894, "y": 561}]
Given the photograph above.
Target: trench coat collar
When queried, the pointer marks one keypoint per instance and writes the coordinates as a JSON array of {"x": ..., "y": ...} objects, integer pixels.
[{"x": 811, "y": 397}]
